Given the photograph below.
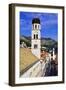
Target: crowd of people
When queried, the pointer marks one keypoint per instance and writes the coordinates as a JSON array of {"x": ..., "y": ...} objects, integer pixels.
[{"x": 51, "y": 66}]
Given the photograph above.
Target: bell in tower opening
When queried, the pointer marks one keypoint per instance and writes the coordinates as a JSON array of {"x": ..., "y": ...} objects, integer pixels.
[{"x": 36, "y": 37}]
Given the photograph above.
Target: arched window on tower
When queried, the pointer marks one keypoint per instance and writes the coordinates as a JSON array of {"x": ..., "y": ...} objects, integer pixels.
[
  {"x": 38, "y": 26},
  {"x": 35, "y": 26},
  {"x": 36, "y": 36}
]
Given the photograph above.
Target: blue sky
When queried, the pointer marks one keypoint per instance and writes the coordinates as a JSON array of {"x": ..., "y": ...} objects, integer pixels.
[{"x": 49, "y": 24}]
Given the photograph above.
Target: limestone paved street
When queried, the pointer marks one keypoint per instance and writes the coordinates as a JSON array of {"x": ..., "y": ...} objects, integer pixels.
[
  {"x": 42, "y": 69},
  {"x": 35, "y": 70}
]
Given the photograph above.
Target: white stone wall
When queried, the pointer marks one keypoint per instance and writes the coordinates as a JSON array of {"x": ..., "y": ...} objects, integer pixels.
[
  {"x": 54, "y": 56},
  {"x": 36, "y": 51},
  {"x": 38, "y": 42}
]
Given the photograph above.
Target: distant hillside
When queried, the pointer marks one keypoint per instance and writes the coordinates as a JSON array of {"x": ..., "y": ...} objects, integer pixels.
[
  {"x": 47, "y": 42},
  {"x": 27, "y": 40}
]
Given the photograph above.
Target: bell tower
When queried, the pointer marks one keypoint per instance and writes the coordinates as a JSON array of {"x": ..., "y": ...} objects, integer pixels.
[{"x": 36, "y": 37}]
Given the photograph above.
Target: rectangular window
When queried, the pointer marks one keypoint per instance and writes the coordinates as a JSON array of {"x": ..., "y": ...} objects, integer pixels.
[{"x": 35, "y": 46}]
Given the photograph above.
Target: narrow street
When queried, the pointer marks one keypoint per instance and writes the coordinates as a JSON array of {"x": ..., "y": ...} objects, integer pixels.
[
  {"x": 34, "y": 71},
  {"x": 42, "y": 69}
]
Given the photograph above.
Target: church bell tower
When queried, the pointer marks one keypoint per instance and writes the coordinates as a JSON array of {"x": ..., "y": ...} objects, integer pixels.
[{"x": 36, "y": 37}]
